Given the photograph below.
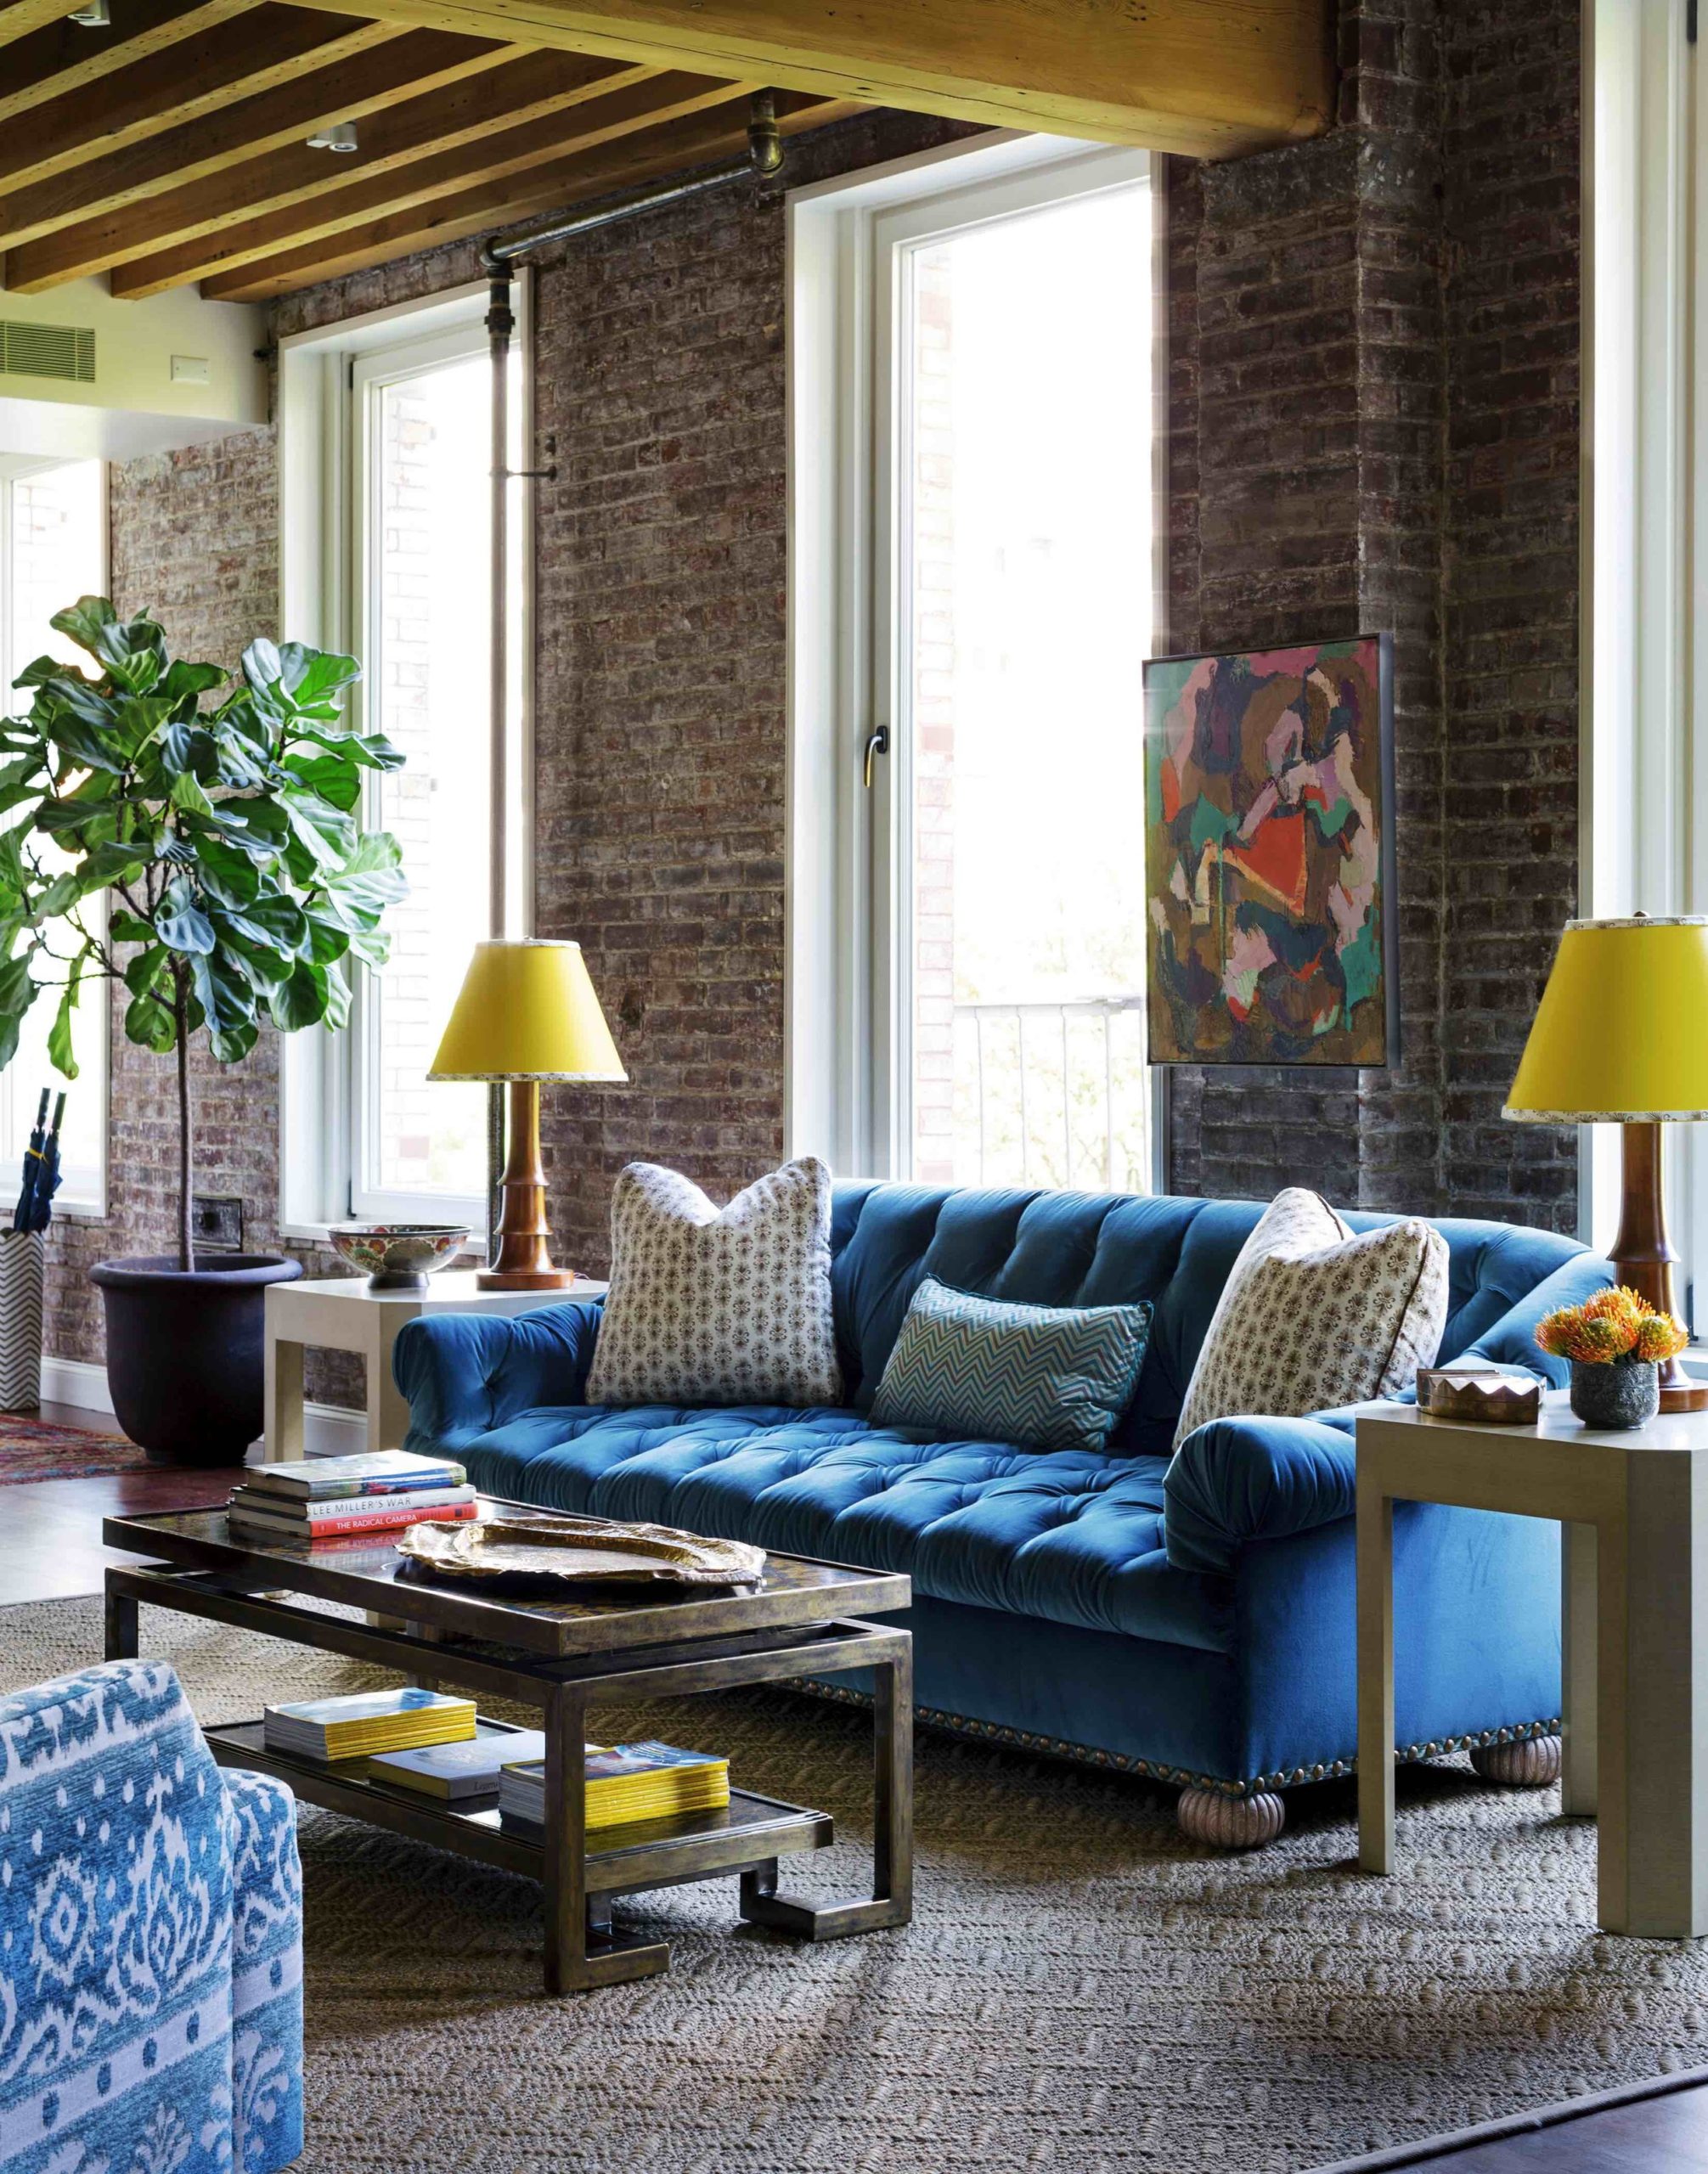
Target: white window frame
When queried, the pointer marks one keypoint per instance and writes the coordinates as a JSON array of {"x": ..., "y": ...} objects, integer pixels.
[
  {"x": 325, "y": 381},
  {"x": 1644, "y": 709},
  {"x": 82, "y": 1194},
  {"x": 848, "y": 902}
]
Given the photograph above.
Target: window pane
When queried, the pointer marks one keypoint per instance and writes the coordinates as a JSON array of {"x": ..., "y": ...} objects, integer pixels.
[
  {"x": 59, "y": 554},
  {"x": 427, "y": 662},
  {"x": 1027, "y": 608}
]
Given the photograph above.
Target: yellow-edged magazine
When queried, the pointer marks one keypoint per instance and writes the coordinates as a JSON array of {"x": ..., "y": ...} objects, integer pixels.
[
  {"x": 626, "y": 1784},
  {"x": 368, "y": 1721}
]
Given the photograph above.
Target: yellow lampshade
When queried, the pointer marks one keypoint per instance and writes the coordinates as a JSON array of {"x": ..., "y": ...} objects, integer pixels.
[
  {"x": 526, "y": 1011},
  {"x": 1621, "y": 1032}
]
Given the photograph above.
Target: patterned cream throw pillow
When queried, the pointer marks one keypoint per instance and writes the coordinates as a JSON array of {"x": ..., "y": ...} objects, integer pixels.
[
  {"x": 711, "y": 1306},
  {"x": 1313, "y": 1317}
]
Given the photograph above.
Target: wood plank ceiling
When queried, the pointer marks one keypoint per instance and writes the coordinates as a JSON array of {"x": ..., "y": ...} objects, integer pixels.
[{"x": 169, "y": 147}]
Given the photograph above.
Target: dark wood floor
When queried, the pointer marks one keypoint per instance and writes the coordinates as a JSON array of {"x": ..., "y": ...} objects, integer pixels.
[
  {"x": 50, "y": 1529},
  {"x": 50, "y": 1549}
]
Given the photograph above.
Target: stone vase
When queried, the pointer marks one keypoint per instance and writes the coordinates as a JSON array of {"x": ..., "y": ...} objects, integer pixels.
[{"x": 1623, "y": 1393}]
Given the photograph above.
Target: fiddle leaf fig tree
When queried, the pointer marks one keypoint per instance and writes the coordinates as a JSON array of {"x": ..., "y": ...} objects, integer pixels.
[{"x": 218, "y": 814}]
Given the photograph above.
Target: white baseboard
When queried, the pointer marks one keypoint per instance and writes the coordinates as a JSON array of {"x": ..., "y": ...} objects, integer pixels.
[{"x": 328, "y": 1430}]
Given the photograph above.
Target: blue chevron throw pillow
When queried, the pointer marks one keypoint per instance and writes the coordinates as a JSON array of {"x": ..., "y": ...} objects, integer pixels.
[{"x": 1054, "y": 1377}]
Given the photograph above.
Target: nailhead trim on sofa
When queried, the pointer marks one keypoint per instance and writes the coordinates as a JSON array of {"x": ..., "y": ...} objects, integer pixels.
[{"x": 1152, "y": 1770}]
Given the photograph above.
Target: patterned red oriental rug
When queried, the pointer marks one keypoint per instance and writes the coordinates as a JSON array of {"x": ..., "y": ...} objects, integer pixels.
[{"x": 37, "y": 1449}]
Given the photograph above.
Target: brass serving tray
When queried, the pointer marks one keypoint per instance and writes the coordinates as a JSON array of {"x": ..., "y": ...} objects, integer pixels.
[{"x": 574, "y": 1551}]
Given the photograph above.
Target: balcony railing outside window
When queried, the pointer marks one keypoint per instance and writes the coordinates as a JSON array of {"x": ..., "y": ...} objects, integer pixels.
[{"x": 1053, "y": 1093}]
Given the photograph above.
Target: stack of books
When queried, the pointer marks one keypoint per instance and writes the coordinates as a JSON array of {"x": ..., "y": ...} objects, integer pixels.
[
  {"x": 364, "y": 1722},
  {"x": 466, "y": 1773},
  {"x": 324, "y": 1498},
  {"x": 625, "y": 1782}
]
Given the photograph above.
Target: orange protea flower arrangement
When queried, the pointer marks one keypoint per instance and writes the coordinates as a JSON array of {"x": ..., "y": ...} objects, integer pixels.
[{"x": 1614, "y": 1325}]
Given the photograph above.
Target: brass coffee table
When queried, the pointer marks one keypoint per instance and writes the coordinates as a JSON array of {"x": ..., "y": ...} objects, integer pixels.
[{"x": 561, "y": 1657}]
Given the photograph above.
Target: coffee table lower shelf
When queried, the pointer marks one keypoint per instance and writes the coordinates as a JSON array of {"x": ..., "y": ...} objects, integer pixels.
[{"x": 748, "y": 1835}]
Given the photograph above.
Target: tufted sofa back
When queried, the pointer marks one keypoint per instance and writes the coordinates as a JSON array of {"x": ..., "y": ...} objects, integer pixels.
[{"x": 1099, "y": 1250}]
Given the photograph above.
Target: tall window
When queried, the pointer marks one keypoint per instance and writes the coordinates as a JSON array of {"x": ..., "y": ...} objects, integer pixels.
[
  {"x": 52, "y": 550},
  {"x": 423, "y": 453},
  {"x": 387, "y": 545},
  {"x": 1001, "y": 494}
]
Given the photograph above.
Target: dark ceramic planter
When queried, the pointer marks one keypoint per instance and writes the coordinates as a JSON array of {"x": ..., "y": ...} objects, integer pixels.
[
  {"x": 184, "y": 1358},
  {"x": 1623, "y": 1394}
]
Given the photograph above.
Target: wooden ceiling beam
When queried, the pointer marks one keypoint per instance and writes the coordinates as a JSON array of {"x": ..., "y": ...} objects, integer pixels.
[
  {"x": 482, "y": 206},
  {"x": 490, "y": 155},
  {"x": 18, "y": 18},
  {"x": 390, "y": 67},
  {"x": 182, "y": 83},
  {"x": 512, "y": 87},
  {"x": 1205, "y": 77},
  {"x": 63, "y": 57}
]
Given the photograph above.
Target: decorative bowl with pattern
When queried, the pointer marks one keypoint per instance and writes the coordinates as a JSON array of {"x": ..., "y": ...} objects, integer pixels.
[{"x": 398, "y": 1256}]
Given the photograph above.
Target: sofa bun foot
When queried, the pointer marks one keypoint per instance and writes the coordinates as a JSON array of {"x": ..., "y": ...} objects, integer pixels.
[
  {"x": 1224, "y": 1822},
  {"x": 1532, "y": 1763}
]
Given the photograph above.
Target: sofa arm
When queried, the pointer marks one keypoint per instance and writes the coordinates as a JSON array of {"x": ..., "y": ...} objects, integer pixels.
[
  {"x": 465, "y": 1374},
  {"x": 1511, "y": 1341},
  {"x": 1235, "y": 1480}
]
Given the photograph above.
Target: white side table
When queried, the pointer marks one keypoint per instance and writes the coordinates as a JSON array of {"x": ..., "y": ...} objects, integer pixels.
[
  {"x": 340, "y": 1313},
  {"x": 1633, "y": 1509}
]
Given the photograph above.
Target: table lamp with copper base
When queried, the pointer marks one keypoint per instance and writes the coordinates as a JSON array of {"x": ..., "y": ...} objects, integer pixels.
[
  {"x": 526, "y": 1013},
  {"x": 1621, "y": 1037}
]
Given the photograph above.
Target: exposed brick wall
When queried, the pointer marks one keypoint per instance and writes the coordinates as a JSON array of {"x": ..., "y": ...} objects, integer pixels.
[
  {"x": 1512, "y": 211},
  {"x": 1374, "y": 426}
]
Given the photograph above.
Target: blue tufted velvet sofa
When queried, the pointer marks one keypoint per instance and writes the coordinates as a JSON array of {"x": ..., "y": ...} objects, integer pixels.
[
  {"x": 150, "y": 1939},
  {"x": 1186, "y": 1616}
]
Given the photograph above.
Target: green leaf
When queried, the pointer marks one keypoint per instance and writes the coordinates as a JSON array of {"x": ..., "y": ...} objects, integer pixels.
[
  {"x": 263, "y": 666},
  {"x": 322, "y": 940},
  {"x": 148, "y": 1022},
  {"x": 336, "y": 782},
  {"x": 310, "y": 675},
  {"x": 188, "y": 796},
  {"x": 337, "y": 1000},
  {"x": 17, "y": 986},
  {"x": 280, "y": 918},
  {"x": 184, "y": 681},
  {"x": 182, "y": 924},
  {"x": 59, "y": 1034},
  {"x": 228, "y": 874},
  {"x": 86, "y": 622},
  {"x": 231, "y": 1045},
  {"x": 110, "y": 865},
  {"x": 370, "y": 751},
  {"x": 321, "y": 831},
  {"x": 223, "y": 992},
  {"x": 59, "y": 896},
  {"x": 143, "y": 973},
  {"x": 302, "y": 1000},
  {"x": 183, "y": 747},
  {"x": 127, "y": 927}
]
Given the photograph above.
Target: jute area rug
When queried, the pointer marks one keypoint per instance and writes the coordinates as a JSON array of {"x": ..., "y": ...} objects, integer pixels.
[{"x": 1079, "y": 1989}]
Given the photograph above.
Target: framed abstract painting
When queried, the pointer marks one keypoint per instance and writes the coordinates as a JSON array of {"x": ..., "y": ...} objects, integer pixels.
[{"x": 1269, "y": 856}]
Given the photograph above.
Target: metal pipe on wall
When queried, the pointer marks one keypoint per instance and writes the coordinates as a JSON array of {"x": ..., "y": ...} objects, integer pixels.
[
  {"x": 500, "y": 330},
  {"x": 498, "y": 257}
]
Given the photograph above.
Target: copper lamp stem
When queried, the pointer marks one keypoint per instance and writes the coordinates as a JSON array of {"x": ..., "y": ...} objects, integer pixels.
[
  {"x": 524, "y": 1258},
  {"x": 1642, "y": 1254}
]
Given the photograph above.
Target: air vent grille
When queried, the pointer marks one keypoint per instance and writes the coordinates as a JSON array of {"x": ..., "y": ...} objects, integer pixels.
[{"x": 62, "y": 351}]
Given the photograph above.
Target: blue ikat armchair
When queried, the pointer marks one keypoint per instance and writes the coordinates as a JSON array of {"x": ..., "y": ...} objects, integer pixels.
[{"x": 150, "y": 1940}]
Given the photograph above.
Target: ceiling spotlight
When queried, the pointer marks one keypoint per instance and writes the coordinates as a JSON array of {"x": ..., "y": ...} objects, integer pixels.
[
  {"x": 340, "y": 137},
  {"x": 94, "y": 15}
]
